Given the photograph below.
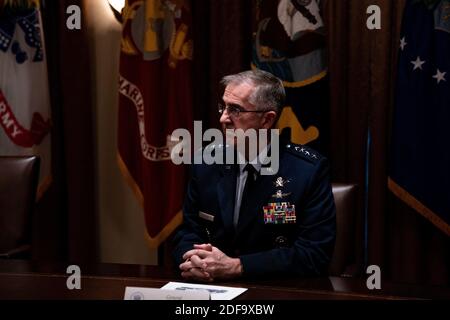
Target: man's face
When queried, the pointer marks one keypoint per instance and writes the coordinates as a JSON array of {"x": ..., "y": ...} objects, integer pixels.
[{"x": 238, "y": 95}]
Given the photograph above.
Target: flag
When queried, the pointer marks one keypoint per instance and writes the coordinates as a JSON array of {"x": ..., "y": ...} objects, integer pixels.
[
  {"x": 420, "y": 156},
  {"x": 24, "y": 93},
  {"x": 155, "y": 98},
  {"x": 289, "y": 42}
]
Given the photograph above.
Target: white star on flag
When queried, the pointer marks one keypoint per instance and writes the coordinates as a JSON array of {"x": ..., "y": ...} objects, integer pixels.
[
  {"x": 403, "y": 43},
  {"x": 418, "y": 63},
  {"x": 440, "y": 76}
]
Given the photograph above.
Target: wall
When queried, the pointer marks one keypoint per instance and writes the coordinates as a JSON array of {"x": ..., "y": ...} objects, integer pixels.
[{"x": 120, "y": 217}]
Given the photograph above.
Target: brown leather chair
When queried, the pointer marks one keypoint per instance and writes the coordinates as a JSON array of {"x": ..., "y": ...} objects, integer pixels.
[
  {"x": 18, "y": 184},
  {"x": 345, "y": 197}
]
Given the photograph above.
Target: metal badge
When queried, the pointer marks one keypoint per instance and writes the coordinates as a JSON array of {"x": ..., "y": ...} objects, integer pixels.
[
  {"x": 280, "y": 195},
  {"x": 280, "y": 182},
  {"x": 281, "y": 241}
]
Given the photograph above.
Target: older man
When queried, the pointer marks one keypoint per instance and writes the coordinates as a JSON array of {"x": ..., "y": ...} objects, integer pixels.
[{"x": 240, "y": 223}]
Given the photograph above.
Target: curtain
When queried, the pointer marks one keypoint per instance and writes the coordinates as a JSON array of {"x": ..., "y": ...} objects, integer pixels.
[{"x": 65, "y": 222}]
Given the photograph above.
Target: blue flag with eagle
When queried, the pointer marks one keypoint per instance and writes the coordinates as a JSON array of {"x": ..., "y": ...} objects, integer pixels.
[{"x": 420, "y": 156}]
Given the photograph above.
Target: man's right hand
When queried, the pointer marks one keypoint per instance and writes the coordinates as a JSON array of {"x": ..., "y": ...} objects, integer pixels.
[{"x": 193, "y": 267}]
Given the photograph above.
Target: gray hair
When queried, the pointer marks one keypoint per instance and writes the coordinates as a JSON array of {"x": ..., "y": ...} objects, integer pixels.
[{"x": 269, "y": 93}]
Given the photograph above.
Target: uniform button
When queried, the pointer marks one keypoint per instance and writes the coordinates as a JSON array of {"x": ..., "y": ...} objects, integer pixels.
[{"x": 281, "y": 241}]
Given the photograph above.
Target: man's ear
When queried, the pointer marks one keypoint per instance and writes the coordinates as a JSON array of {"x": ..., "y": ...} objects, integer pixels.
[{"x": 269, "y": 119}]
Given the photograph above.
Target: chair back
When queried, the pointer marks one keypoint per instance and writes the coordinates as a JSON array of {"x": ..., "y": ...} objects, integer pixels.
[
  {"x": 345, "y": 196},
  {"x": 18, "y": 185}
]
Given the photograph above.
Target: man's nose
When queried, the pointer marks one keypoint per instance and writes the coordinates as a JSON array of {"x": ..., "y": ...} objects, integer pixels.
[{"x": 225, "y": 117}]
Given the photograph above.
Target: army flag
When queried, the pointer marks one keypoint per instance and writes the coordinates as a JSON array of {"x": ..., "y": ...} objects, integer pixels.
[
  {"x": 420, "y": 155},
  {"x": 24, "y": 92},
  {"x": 155, "y": 98},
  {"x": 289, "y": 42}
]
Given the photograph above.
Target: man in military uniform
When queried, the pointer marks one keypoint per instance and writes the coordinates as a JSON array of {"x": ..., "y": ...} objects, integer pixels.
[{"x": 239, "y": 223}]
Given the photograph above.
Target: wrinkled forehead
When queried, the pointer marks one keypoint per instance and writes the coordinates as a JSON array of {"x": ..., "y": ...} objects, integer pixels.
[{"x": 239, "y": 93}]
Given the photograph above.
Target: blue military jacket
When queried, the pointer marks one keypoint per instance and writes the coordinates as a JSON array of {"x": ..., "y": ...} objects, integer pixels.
[{"x": 286, "y": 227}]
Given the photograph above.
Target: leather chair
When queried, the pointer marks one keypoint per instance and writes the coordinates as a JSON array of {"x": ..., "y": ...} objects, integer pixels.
[
  {"x": 345, "y": 197},
  {"x": 18, "y": 185}
]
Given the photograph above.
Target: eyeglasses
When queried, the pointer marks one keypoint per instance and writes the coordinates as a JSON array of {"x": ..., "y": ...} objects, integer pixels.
[{"x": 234, "y": 110}]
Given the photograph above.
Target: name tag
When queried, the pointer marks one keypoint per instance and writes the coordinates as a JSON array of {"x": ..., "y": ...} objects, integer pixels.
[
  {"x": 206, "y": 216},
  {"x": 136, "y": 293}
]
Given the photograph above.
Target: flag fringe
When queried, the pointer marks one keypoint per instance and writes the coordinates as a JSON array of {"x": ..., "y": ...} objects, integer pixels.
[
  {"x": 155, "y": 241},
  {"x": 410, "y": 200},
  {"x": 20, "y": 4},
  {"x": 303, "y": 83},
  {"x": 165, "y": 232},
  {"x": 129, "y": 179}
]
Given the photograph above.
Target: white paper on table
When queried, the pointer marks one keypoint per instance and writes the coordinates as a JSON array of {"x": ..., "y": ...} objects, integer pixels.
[{"x": 217, "y": 292}]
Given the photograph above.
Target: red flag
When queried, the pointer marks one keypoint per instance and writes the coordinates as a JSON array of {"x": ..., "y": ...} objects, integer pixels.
[{"x": 155, "y": 99}]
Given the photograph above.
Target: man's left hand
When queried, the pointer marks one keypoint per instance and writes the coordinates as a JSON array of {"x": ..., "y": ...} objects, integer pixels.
[{"x": 212, "y": 261}]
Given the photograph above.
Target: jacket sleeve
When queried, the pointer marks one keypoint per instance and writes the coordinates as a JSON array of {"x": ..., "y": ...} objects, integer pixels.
[
  {"x": 190, "y": 232},
  {"x": 311, "y": 251}
]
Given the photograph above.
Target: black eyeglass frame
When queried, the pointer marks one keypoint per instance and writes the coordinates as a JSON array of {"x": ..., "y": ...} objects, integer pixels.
[{"x": 235, "y": 110}]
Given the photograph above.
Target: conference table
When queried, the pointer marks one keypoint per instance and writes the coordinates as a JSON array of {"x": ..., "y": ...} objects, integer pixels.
[{"x": 37, "y": 280}]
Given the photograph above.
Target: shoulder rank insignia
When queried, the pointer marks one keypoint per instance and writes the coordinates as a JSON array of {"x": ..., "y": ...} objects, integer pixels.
[{"x": 304, "y": 152}]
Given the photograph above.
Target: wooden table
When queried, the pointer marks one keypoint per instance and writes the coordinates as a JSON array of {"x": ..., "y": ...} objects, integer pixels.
[{"x": 23, "y": 280}]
